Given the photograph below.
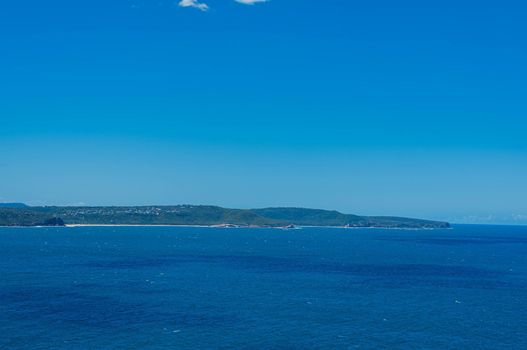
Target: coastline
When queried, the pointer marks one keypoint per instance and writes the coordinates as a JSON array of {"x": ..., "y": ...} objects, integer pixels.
[
  {"x": 202, "y": 216},
  {"x": 298, "y": 227},
  {"x": 164, "y": 225}
]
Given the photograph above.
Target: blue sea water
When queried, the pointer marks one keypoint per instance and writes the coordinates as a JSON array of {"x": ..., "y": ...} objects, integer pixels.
[{"x": 314, "y": 288}]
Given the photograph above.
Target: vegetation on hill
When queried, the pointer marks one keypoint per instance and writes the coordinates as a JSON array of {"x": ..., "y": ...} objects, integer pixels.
[
  {"x": 199, "y": 215},
  {"x": 13, "y": 205},
  {"x": 21, "y": 216}
]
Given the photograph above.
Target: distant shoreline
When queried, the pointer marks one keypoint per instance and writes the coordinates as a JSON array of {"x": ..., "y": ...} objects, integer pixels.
[
  {"x": 201, "y": 216},
  {"x": 236, "y": 227}
]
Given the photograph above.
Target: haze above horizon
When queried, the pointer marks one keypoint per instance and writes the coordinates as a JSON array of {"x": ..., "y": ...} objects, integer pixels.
[{"x": 401, "y": 108}]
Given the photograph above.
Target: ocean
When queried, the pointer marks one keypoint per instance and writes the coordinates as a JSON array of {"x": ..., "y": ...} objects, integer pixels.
[{"x": 312, "y": 288}]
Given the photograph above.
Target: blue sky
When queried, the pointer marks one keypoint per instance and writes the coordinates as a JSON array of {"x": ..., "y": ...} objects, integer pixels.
[{"x": 381, "y": 107}]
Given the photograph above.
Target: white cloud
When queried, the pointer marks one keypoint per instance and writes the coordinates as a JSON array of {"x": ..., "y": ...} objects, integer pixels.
[
  {"x": 250, "y": 2},
  {"x": 520, "y": 217},
  {"x": 194, "y": 3}
]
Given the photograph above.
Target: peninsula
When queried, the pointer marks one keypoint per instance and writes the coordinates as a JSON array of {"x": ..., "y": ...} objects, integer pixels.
[{"x": 198, "y": 215}]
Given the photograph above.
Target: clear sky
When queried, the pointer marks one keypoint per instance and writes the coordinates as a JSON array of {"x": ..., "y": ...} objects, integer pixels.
[{"x": 415, "y": 108}]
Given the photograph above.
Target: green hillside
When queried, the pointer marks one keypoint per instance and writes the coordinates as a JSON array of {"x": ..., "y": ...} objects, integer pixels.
[{"x": 199, "y": 215}]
